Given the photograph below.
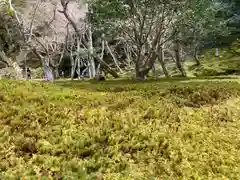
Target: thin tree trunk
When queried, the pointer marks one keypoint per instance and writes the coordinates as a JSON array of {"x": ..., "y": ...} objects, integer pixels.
[
  {"x": 217, "y": 52},
  {"x": 90, "y": 70},
  {"x": 126, "y": 51},
  {"x": 73, "y": 70},
  {"x": 101, "y": 57},
  {"x": 102, "y": 51},
  {"x": 72, "y": 65},
  {"x": 178, "y": 58},
  {"x": 24, "y": 73},
  {"x": 78, "y": 60},
  {"x": 78, "y": 68},
  {"x": 196, "y": 56},
  {"x": 25, "y": 63},
  {"x": 114, "y": 58},
  {"x": 161, "y": 58},
  {"x": 56, "y": 72},
  {"x": 84, "y": 71},
  {"x": 154, "y": 71},
  {"x": 92, "y": 67}
]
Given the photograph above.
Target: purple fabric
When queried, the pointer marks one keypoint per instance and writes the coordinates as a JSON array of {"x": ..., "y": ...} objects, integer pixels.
[{"x": 48, "y": 73}]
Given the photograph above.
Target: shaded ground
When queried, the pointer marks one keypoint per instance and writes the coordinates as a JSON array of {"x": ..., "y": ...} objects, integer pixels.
[
  {"x": 95, "y": 86},
  {"x": 227, "y": 63},
  {"x": 165, "y": 129}
]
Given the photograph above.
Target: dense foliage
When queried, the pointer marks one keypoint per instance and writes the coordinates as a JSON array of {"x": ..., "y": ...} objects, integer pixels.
[{"x": 120, "y": 130}]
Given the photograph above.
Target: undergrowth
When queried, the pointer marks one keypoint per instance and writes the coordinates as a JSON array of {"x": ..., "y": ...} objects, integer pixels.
[{"x": 156, "y": 130}]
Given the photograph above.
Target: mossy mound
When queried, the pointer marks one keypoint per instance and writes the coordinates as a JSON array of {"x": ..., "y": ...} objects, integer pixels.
[{"x": 132, "y": 130}]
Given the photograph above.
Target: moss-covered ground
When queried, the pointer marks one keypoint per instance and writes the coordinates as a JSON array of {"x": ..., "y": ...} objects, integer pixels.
[
  {"x": 227, "y": 63},
  {"x": 164, "y": 129}
]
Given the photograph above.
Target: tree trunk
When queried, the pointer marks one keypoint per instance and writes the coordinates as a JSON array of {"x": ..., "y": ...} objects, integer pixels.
[
  {"x": 101, "y": 57},
  {"x": 144, "y": 64},
  {"x": 73, "y": 69},
  {"x": 141, "y": 73},
  {"x": 25, "y": 66},
  {"x": 154, "y": 71},
  {"x": 195, "y": 55},
  {"x": 178, "y": 58},
  {"x": 217, "y": 52},
  {"x": 98, "y": 69},
  {"x": 90, "y": 70},
  {"x": 128, "y": 55},
  {"x": 78, "y": 60},
  {"x": 92, "y": 67},
  {"x": 107, "y": 68},
  {"x": 78, "y": 68},
  {"x": 162, "y": 62},
  {"x": 113, "y": 56},
  {"x": 84, "y": 72},
  {"x": 56, "y": 72}
]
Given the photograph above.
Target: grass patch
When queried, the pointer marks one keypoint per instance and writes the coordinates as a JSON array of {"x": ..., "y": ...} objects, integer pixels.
[{"x": 164, "y": 129}]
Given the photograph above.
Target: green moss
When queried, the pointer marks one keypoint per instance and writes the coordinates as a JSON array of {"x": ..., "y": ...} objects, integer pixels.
[
  {"x": 163, "y": 129},
  {"x": 227, "y": 63}
]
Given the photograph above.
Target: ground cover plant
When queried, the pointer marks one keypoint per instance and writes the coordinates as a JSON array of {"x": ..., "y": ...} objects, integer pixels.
[{"x": 163, "y": 129}]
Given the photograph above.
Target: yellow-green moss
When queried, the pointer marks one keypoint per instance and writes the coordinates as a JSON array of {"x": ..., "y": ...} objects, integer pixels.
[{"x": 163, "y": 129}]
